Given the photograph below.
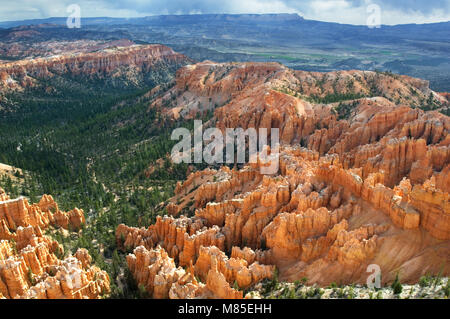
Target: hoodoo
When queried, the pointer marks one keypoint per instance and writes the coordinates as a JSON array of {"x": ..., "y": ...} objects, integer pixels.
[
  {"x": 31, "y": 263},
  {"x": 362, "y": 181}
]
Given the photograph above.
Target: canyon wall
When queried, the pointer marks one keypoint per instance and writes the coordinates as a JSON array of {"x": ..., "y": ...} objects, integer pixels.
[{"x": 131, "y": 64}]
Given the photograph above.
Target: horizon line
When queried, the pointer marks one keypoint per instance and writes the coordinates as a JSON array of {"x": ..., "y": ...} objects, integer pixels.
[{"x": 205, "y": 14}]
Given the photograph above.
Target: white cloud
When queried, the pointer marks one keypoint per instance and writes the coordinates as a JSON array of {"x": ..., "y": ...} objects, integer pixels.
[
  {"x": 258, "y": 6},
  {"x": 343, "y": 11},
  {"x": 323, "y": 5}
]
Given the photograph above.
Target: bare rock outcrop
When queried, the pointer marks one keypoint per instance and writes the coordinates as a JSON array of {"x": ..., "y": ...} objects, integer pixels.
[
  {"x": 22, "y": 74},
  {"x": 29, "y": 262},
  {"x": 236, "y": 270},
  {"x": 357, "y": 178},
  {"x": 157, "y": 273},
  {"x": 18, "y": 212}
]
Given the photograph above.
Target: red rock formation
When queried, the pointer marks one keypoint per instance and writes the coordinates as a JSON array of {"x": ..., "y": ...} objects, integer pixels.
[
  {"x": 17, "y": 49},
  {"x": 18, "y": 212},
  {"x": 434, "y": 207},
  {"x": 355, "y": 247},
  {"x": 29, "y": 266},
  {"x": 154, "y": 270},
  {"x": 104, "y": 63},
  {"x": 234, "y": 269},
  {"x": 356, "y": 179},
  {"x": 3, "y": 195},
  {"x": 181, "y": 238},
  {"x": 71, "y": 281},
  {"x": 157, "y": 273}
]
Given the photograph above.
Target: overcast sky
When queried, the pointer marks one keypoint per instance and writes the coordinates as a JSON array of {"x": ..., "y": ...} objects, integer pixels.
[{"x": 343, "y": 11}]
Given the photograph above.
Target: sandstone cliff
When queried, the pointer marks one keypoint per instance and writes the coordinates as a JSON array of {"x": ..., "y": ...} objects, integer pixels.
[{"x": 131, "y": 62}]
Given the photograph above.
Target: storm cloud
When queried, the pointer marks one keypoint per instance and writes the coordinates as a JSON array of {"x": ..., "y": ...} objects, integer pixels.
[{"x": 343, "y": 11}]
